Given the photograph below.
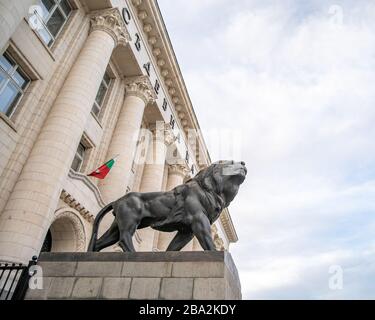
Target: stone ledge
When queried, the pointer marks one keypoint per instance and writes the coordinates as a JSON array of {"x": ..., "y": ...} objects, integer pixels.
[{"x": 173, "y": 256}]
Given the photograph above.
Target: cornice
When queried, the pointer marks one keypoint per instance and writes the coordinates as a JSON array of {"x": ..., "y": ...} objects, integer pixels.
[
  {"x": 228, "y": 226},
  {"x": 152, "y": 25}
]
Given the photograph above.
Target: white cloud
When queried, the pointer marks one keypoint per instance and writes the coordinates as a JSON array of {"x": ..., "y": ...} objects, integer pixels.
[{"x": 309, "y": 276}]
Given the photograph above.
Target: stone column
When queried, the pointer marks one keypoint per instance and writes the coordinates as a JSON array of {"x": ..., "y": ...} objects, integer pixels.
[
  {"x": 153, "y": 173},
  {"x": 11, "y": 14},
  {"x": 152, "y": 179},
  {"x": 176, "y": 176},
  {"x": 29, "y": 211},
  {"x": 139, "y": 93}
]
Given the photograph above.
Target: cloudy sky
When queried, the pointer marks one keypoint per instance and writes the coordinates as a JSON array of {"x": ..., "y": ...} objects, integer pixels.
[{"x": 288, "y": 86}]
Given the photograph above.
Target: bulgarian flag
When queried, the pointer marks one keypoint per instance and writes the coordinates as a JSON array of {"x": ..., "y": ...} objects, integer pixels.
[{"x": 102, "y": 171}]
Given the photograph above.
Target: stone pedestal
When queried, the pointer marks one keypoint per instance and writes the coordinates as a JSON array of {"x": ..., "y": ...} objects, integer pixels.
[{"x": 140, "y": 275}]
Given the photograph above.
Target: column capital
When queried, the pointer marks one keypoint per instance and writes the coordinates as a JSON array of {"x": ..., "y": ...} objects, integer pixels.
[
  {"x": 178, "y": 169},
  {"x": 140, "y": 87},
  {"x": 218, "y": 241},
  {"x": 136, "y": 3},
  {"x": 110, "y": 21},
  {"x": 162, "y": 132},
  {"x": 169, "y": 137}
]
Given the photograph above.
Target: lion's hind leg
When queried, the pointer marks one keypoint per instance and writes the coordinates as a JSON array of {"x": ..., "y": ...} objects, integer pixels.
[
  {"x": 127, "y": 229},
  {"x": 128, "y": 217},
  {"x": 110, "y": 237},
  {"x": 127, "y": 226},
  {"x": 126, "y": 242},
  {"x": 179, "y": 241}
]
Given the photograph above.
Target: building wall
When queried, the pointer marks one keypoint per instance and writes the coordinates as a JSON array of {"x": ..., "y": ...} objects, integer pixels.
[
  {"x": 79, "y": 197},
  {"x": 19, "y": 133}
]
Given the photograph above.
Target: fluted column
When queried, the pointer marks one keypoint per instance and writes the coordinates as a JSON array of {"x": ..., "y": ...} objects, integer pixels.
[
  {"x": 176, "y": 176},
  {"x": 152, "y": 179},
  {"x": 139, "y": 93},
  {"x": 29, "y": 211},
  {"x": 11, "y": 14},
  {"x": 153, "y": 173}
]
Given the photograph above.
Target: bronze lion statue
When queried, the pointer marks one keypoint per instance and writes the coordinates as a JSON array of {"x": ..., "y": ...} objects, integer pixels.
[{"x": 189, "y": 209}]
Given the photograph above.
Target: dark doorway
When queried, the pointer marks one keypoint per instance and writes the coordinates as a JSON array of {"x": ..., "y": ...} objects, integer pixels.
[{"x": 47, "y": 244}]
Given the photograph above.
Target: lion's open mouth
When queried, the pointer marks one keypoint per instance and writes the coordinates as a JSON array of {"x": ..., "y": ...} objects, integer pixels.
[
  {"x": 242, "y": 175},
  {"x": 243, "y": 172}
]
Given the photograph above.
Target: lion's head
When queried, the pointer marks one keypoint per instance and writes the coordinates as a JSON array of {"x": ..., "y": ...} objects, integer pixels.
[{"x": 223, "y": 178}]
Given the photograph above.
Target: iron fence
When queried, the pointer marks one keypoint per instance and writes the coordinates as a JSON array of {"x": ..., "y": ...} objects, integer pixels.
[{"x": 14, "y": 279}]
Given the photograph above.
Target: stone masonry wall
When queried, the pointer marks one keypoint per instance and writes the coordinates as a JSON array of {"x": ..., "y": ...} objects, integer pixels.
[{"x": 141, "y": 275}]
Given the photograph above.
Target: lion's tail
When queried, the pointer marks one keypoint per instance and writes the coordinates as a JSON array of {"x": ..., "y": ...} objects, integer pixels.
[{"x": 95, "y": 228}]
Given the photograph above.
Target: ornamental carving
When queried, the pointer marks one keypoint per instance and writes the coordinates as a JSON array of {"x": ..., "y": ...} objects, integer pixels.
[
  {"x": 163, "y": 132},
  {"x": 169, "y": 137},
  {"x": 111, "y": 22},
  {"x": 74, "y": 204},
  {"x": 219, "y": 243},
  {"x": 208, "y": 193},
  {"x": 178, "y": 169},
  {"x": 137, "y": 3},
  {"x": 140, "y": 87},
  {"x": 142, "y": 15},
  {"x": 79, "y": 230}
]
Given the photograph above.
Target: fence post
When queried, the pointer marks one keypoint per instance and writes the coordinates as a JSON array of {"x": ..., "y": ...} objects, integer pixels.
[{"x": 23, "y": 282}]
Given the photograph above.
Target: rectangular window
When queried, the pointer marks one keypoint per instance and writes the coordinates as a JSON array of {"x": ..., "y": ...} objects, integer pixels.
[
  {"x": 13, "y": 82},
  {"x": 102, "y": 92},
  {"x": 51, "y": 17},
  {"x": 79, "y": 158}
]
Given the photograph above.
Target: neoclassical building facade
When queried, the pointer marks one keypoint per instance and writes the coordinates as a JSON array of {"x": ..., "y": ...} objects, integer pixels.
[{"x": 82, "y": 82}]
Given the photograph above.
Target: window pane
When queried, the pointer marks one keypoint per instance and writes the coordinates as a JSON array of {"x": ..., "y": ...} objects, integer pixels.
[
  {"x": 101, "y": 93},
  {"x": 20, "y": 79},
  {"x": 81, "y": 150},
  {"x": 107, "y": 79},
  {"x": 78, "y": 159},
  {"x": 95, "y": 109},
  {"x": 76, "y": 165},
  {"x": 47, "y": 5},
  {"x": 46, "y": 37},
  {"x": 55, "y": 23},
  {"x": 6, "y": 63},
  {"x": 66, "y": 7},
  {"x": 8, "y": 98},
  {"x": 2, "y": 79}
]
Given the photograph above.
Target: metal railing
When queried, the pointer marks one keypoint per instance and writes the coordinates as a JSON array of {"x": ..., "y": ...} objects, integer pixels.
[{"x": 14, "y": 279}]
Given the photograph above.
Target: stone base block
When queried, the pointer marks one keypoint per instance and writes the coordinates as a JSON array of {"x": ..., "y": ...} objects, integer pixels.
[{"x": 140, "y": 275}]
